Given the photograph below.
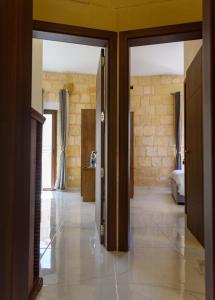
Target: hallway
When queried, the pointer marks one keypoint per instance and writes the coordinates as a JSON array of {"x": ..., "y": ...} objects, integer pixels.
[{"x": 165, "y": 261}]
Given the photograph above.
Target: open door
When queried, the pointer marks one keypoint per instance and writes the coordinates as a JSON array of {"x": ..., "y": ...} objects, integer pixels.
[
  {"x": 88, "y": 144},
  {"x": 194, "y": 149},
  {"x": 100, "y": 147},
  {"x": 131, "y": 155}
]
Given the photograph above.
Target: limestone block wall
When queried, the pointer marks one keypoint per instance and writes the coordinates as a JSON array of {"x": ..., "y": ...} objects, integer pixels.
[
  {"x": 153, "y": 107},
  {"x": 82, "y": 90},
  {"x": 154, "y": 128}
]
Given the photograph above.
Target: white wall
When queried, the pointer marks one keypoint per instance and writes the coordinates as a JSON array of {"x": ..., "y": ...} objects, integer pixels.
[
  {"x": 191, "y": 48},
  {"x": 37, "y": 66}
]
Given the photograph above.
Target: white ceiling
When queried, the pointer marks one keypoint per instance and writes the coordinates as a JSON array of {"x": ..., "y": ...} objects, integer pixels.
[
  {"x": 67, "y": 57},
  {"x": 163, "y": 59}
]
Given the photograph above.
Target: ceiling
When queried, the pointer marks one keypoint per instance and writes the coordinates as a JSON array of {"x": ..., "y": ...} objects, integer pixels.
[
  {"x": 67, "y": 57},
  {"x": 164, "y": 59}
]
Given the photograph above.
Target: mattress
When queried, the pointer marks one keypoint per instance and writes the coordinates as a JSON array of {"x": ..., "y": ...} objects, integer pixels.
[{"x": 178, "y": 177}]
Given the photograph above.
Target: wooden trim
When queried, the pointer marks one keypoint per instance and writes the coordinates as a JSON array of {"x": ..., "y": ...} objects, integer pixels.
[
  {"x": 111, "y": 138},
  {"x": 185, "y": 144},
  {"x": 37, "y": 116},
  {"x": 107, "y": 39},
  {"x": 209, "y": 142},
  {"x": 164, "y": 34},
  {"x": 35, "y": 199},
  {"x": 124, "y": 146},
  {"x": 36, "y": 289},
  {"x": 72, "y": 34},
  {"x": 129, "y": 39},
  {"x": 54, "y": 146},
  {"x": 15, "y": 126}
]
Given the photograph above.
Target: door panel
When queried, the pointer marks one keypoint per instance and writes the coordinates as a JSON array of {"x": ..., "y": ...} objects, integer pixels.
[
  {"x": 194, "y": 149},
  {"x": 88, "y": 139},
  {"x": 132, "y": 155},
  {"x": 100, "y": 146}
]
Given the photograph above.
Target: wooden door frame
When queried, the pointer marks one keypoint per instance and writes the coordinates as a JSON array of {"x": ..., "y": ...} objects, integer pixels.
[
  {"x": 54, "y": 147},
  {"x": 108, "y": 40},
  {"x": 15, "y": 133},
  {"x": 128, "y": 39},
  {"x": 209, "y": 142},
  {"x": 173, "y": 33}
]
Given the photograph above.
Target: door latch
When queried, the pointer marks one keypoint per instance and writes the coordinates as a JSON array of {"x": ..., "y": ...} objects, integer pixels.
[
  {"x": 102, "y": 230},
  {"x": 102, "y": 117},
  {"x": 102, "y": 172}
]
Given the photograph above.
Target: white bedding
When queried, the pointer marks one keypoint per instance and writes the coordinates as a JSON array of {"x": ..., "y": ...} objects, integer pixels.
[{"x": 178, "y": 176}]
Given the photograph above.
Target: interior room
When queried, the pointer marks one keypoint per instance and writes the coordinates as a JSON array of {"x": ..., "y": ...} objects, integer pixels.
[
  {"x": 66, "y": 82},
  {"x": 162, "y": 205}
]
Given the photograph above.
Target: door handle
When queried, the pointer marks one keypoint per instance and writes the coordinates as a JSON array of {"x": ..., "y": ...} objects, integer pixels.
[
  {"x": 187, "y": 151},
  {"x": 186, "y": 157}
]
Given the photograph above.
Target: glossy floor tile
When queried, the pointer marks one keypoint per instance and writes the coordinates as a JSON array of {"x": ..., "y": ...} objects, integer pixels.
[{"x": 165, "y": 262}]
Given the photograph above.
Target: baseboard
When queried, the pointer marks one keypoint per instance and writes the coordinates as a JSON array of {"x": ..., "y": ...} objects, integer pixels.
[{"x": 36, "y": 289}]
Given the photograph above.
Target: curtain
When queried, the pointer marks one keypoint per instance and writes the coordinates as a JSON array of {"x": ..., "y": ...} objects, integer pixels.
[
  {"x": 178, "y": 130},
  {"x": 64, "y": 101}
]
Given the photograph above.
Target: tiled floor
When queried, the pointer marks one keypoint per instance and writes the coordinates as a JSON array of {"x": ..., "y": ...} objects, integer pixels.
[{"x": 165, "y": 262}]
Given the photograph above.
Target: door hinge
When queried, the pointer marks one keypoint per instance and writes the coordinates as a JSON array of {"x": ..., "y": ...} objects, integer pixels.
[
  {"x": 103, "y": 61},
  {"x": 102, "y": 172},
  {"x": 102, "y": 117},
  {"x": 102, "y": 230}
]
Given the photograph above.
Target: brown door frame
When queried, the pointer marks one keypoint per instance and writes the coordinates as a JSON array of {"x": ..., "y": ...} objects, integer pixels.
[
  {"x": 128, "y": 39},
  {"x": 54, "y": 147},
  {"x": 162, "y": 35},
  {"x": 209, "y": 142},
  {"x": 108, "y": 40},
  {"x": 15, "y": 133}
]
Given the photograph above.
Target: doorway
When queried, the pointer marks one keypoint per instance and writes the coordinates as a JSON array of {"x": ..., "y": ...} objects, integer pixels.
[
  {"x": 127, "y": 41},
  {"x": 74, "y": 133},
  {"x": 49, "y": 150},
  {"x": 159, "y": 225},
  {"x": 106, "y": 40}
]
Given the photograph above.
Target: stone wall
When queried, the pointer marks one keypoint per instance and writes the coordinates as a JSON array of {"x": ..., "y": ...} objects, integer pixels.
[
  {"x": 154, "y": 129},
  {"x": 153, "y": 107},
  {"x": 82, "y": 90}
]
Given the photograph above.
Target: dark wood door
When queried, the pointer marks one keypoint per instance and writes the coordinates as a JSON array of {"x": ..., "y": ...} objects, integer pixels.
[
  {"x": 88, "y": 142},
  {"x": 131, "y": 155},
  {"x": 194, "y": 149},
  {"x": 100, "y": 147}
]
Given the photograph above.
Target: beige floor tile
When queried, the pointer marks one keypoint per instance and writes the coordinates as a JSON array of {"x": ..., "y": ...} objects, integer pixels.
[{"x": 165, "y": 261}]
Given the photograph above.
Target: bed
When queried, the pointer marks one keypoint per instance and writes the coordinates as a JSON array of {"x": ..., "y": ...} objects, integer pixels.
[{"x": 178, "y": 186}]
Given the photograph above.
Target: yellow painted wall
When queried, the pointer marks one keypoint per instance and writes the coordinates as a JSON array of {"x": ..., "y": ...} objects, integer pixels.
[{"x": 118, "y": 15}]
